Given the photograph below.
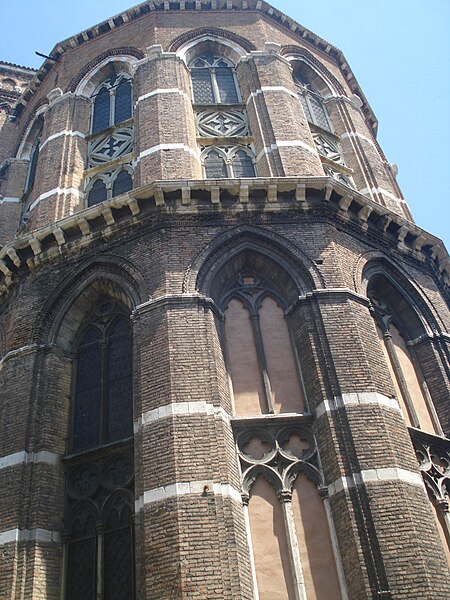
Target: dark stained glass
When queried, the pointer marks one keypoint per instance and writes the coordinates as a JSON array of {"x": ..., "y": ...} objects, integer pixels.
[
  {"x": 202, "y": 86},
  {"x": 81, "y": 570},
  {"x": 101, "y": 119},
  {"x": 86, "y": 418},
  {"x": 243, "y": 165},
  {"x": 118, "y": 553},
  {"x": 226, "y": 84},
  {"x": 319, "y": 115},
  {"x": 97, "y": 193},
  {"x": 120, "y": 406},
  {"x": 215, "y": 166},
  {"x": 305, "y": 107},
  {"x": 33, "y": 165},
  {"x": 123, "y": 101},
  {"x": 123, "y": 183}
]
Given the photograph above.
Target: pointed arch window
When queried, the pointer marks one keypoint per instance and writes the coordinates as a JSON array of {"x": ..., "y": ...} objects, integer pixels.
[
  {"x": 112, "y": 102},
  {"x": 312, "y": 102},
  {"x": 213, "y": 80},
  {"x": 102, "y": 410},
  {"x": 108, "y": 185},
  {"x": 99, "y": 544},
  {"x": 228, "y": 162}
]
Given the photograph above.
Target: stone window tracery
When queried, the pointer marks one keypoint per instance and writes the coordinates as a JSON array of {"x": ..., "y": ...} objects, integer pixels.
[
  {"x": 109, "y": 184},
  {"x": 98, "y": 559}
]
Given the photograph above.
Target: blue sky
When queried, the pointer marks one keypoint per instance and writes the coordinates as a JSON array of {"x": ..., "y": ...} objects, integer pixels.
[{"x": 399, "y": 50}]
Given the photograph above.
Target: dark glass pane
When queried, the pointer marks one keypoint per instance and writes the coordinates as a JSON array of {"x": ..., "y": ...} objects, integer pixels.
[
  {"x": 123, "y": 183},
  {"x": 226, "y": 85},
  {"x": 122, "y": 106},
  {"x": 87, "y": 403},
  {"x": 120, "y": 405},
  {"x": 319, "y": 115},
  {"x": 97, "y": 194},
  {"x": 202, "y": 86},
  {"x": 305, "y": 107},
  {"x": 243, "y": 165},
  {"x": 215, "y": 166},
  {"x": 100, "y": 119},
  {"x": 118, "y": 565},
  {"x": 81, "y": 582},
  {"x": 33, "y": 165}
]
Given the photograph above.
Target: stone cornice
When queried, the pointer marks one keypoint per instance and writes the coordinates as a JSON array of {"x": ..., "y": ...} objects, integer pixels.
[
  {"x": 230, "y": 197},
  {"x": 161, "y": 6}
]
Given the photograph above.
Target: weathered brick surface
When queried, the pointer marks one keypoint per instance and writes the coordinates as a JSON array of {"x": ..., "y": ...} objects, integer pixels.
[{"x": 164, "y": 265}]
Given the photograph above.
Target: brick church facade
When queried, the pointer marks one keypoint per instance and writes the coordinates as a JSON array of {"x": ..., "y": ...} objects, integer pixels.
[{"x": 224, "y": 341}]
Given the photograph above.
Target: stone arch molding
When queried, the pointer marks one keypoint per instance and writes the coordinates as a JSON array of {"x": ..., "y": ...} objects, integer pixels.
[
  {"x": 95, "y": 72},
  {"x": 209, "y": 261},
  {"x": 373, "y": 263},
  {"x": 111, "y": 277},
  {"x": 232, "y": 45},
  {"x": 325, "y": 81},
  {"x": 228, "y": 44}
]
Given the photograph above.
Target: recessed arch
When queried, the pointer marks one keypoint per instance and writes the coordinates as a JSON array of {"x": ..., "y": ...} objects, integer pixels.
[
  {"x": 190, "y": 43},
  {"x": 93, "y": 74},
  {"x": 320, "y": 76},
  {"x": 295, "y": 265},
  {"x": 103, "y": 277},
  {"x": 373, "y": 264}
]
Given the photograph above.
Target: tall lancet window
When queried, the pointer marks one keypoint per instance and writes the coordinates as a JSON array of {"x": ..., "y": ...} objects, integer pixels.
[
  {"x": 221, "y": 117},
  {"x": 111, "y": 142},
  {"x": 314, "y": 108},
  {"x": 99, "y": 554},
  {"x": 288, "y": 522},
  {"x": 262, "y": 363},
  {"x": 398, "y": 325}
]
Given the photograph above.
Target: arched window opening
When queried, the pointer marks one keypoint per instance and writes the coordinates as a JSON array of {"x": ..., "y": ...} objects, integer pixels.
[
  {"x": 99, "y": 549},
  {"x": 108, "y": 185},
  {"x": 398, "y": 324},
  {"x": 112, "y": 102},
  {"x": 103, "y": 393},
  {"x": 123, "y": 183},
  {"x": 288, "y": 524},
  {"x": 261, "y": 359},
  {"x": 213, "y": 80},
  {"x": 35, "y": 135},
  {"x": 112, "y": 139},
  {"x": 228, "y": 162},
  {"x": 220, "y": 114},
  {"x": 97, "y": 193},
  {"x": 312, "y": 102}
]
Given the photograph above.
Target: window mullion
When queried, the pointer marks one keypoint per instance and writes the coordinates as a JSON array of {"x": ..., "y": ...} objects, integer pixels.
[
  {"x": 262, "y": 361},
  {"x": 112, "y": 106},
  {"x": 104, "y": 391},
  {"x": 400, "y": 377},
  {"x": 215, "y": 86},
  {"x": 99, "y": 561},
  {"x": 285, "y": 499}
]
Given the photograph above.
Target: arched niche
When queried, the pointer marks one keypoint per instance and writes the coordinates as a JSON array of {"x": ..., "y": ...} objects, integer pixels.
[{"x": 98, "y": 72}]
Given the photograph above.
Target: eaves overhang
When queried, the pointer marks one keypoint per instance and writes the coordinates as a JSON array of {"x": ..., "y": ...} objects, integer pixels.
[
  {"x": 306, "y": 196},
  {"x": 144, "y": 8}
]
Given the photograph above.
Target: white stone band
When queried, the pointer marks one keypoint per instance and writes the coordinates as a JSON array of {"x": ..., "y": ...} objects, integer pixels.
[
  {"x": 26, "y": 458},
  {"x": 179, "y": 409},
  {"x": 29, "y": 535},
  {"x": 357, "y": 399},
  {"x": 271, "y": 88},
  {"x": 60, "y": 192},
  {"x": 162, "y": 147},
  {"x": 187, "y": 488},
  {"x": 375, "y": 475},
  {"x": 161, "y": 91},
  {"x": 9, "y": 199},
  {"x": 65, "y": 133}
]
